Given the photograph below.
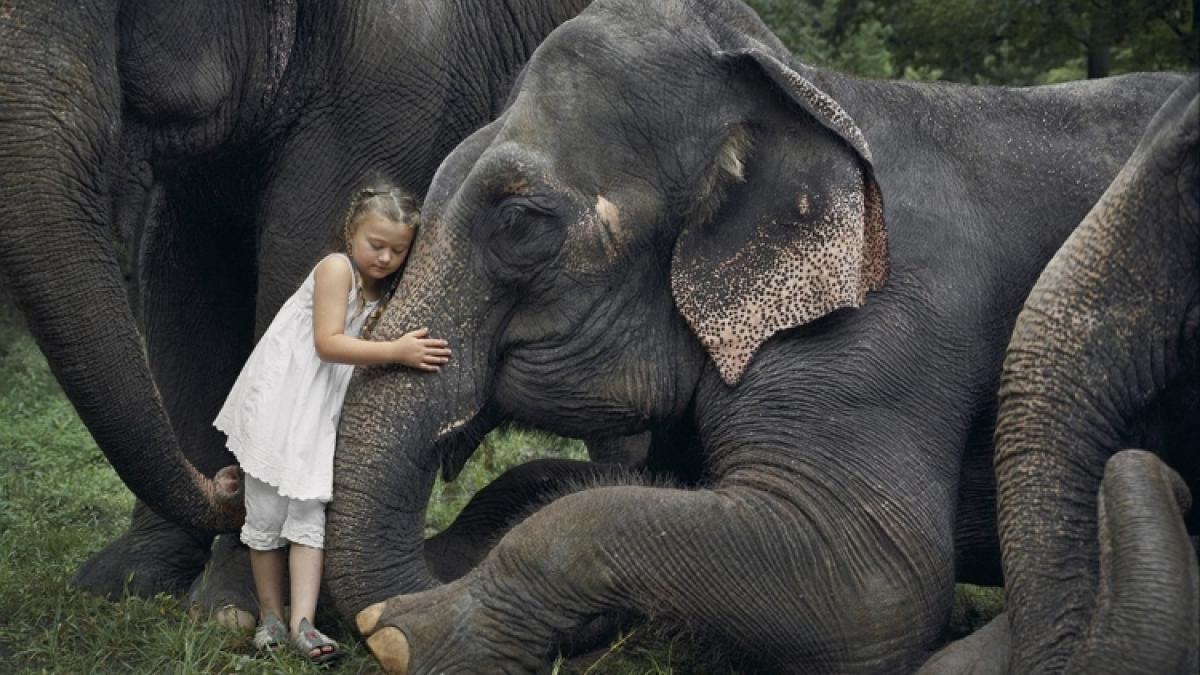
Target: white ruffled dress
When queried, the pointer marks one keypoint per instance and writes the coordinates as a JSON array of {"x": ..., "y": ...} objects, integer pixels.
[{"x": 281, "y": 416}]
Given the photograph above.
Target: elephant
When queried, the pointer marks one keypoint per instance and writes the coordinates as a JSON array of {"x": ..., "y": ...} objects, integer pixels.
[
  {"x": 1102, "y": 577},
  {"x": 223, "y": 140},
  {"x": 676, "y": 228}
]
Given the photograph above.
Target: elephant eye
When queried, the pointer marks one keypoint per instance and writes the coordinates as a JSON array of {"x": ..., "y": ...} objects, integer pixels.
[
  {"x": 525, "y": 234},
  {"x": 512, "y": 215},
  {"x": 515, "y": 216},
  {"x": 528, "y": 206}
]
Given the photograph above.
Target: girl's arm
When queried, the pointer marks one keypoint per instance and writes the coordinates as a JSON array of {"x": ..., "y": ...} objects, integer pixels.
[{"x": 332, "y": 279}]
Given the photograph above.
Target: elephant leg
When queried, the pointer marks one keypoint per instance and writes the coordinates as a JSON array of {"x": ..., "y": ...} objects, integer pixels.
[
  {"x": 198, "y": 318},
  {"x": 502, "y": 504},
  {"x": 742, "y": 566},
  {"x": 225, "y": 591},
  {"x": 152, "y": 556}
]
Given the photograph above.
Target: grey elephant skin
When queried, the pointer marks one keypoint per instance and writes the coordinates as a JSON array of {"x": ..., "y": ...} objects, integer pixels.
[
  {"x": 669, "y": 229},
  {"x": 1101, "y": 575},
  {"x": 221, "y": 140}
]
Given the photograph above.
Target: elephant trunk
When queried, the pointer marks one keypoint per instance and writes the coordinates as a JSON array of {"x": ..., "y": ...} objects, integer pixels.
[
  {"x": 58, "y": 134},
  {"x": 376, "y": 521},
  {"x": 1142, "y": 542},
  {"x": 398, "y": 427},
  {"x": 1110, "y": 324}
]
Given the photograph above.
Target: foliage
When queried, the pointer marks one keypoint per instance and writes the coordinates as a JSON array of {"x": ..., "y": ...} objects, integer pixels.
[
  {"x": 1012, "y": 42},
  {"x": 819, "y": 32}
]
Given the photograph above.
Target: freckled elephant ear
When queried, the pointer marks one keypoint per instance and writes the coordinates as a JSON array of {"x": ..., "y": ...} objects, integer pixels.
[{"x": 799, "y": 230}]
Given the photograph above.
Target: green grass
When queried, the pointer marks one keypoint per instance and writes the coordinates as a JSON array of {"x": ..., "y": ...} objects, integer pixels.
[
  {"x": 500, "y": 451},
  {"x": 60, "y": 502}
]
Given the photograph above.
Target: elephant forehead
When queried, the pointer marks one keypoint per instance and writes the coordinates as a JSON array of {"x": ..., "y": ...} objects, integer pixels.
[
  {"x": 735, "y": 298},
  {"x": 512, "y": 166},
  {"x": 620, "y": 87}
]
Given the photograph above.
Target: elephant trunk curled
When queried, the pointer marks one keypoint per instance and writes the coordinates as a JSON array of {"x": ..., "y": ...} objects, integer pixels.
[{"x": 1090, "y": 569}]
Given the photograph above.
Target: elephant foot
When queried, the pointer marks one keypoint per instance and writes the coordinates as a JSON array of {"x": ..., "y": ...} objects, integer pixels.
[
  {"x": 443, "y": 630},
  {"x": 152, "y": 556},
  {"x": 225, "y": 591}
]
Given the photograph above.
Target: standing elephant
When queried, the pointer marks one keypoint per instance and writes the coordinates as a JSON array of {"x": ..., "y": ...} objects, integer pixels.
[
  {"x": 666, "y": 231},
  {"x": 1105, "y": 356},
  {"x": 227, "y": 137}
]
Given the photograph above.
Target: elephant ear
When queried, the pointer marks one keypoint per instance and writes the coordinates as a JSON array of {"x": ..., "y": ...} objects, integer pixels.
[{"x": 789, "y": 225}]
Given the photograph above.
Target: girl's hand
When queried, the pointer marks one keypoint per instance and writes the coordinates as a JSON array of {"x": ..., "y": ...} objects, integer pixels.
[{"x": 416, "y": 349}]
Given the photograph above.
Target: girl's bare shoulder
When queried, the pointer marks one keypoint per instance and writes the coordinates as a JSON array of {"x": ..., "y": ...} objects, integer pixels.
[{"x": 333, "y": 269}]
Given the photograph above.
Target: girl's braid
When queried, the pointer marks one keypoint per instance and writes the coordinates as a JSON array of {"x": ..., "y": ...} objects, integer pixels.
[{"x": 357, "y": 205}]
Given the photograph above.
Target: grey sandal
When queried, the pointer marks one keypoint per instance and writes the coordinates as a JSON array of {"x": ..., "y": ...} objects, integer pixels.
[
  {"x": 310, "y": 638},
  {"x": 270, "y": 633}
]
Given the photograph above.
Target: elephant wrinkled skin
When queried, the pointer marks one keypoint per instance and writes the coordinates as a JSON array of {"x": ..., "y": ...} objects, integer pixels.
[{"x": 668, "y": 229}]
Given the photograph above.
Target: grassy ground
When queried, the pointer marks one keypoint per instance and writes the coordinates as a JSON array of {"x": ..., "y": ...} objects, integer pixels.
[{"x": 60, "y": 502}]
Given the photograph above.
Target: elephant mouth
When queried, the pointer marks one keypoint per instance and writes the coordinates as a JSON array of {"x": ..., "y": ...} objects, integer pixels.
[{"x": 457, "y": 440}]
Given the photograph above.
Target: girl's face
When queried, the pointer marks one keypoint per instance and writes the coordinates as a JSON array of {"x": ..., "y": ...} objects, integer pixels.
[{"x": 379, "y": 246}]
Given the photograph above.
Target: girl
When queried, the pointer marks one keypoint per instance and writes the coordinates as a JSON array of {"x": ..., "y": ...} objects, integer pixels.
[{"x": 281, "y": 416}]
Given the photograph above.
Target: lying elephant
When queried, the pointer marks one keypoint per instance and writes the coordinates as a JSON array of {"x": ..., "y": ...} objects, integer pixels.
[
  {"x": 666, "y": 230},
  {"x": 1101, "y": 576},
  {"x": 225, "y": 138}
]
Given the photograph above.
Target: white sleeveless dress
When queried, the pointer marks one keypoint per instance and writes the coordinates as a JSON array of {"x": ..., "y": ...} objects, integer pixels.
[{"x": 281, "y": 416}]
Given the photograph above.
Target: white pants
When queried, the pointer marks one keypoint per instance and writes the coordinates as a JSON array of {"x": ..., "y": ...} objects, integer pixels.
[{"x": 273, "y": 520}]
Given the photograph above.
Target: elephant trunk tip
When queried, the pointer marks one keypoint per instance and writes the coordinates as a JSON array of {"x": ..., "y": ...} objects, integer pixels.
[
  {"x": 224, "y": 509},
  {"x": 1149, "y": 590}
]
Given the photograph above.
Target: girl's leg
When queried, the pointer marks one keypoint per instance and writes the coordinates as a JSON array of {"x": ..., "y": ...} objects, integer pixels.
[
  {"x": 268, "y": 580},
  {"x": 262, "y": 532},
  {"x": 305, "y": 529},
  {"x": 305, "y": 566}
]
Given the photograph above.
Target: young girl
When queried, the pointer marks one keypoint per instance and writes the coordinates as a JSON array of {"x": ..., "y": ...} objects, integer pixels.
[{"x": 281, "y": 416}]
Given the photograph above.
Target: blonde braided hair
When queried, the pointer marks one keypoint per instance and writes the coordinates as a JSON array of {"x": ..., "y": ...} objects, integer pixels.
[{"x": 397, "y": 206}]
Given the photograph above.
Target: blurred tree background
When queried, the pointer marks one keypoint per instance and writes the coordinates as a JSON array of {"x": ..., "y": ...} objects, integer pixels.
[{"x": 1009, "y": 42}]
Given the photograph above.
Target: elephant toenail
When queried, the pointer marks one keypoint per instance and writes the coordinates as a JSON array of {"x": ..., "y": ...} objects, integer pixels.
[
  {"x": 367, "y": 618},
  {"x": 390, "y": 648},
  {"x": 231, "y": 616}
]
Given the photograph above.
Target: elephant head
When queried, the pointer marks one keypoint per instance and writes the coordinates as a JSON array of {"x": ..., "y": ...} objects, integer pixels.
[
  {"x": 653, "y": 202},
  {"x": 1104, "y": 579}
]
